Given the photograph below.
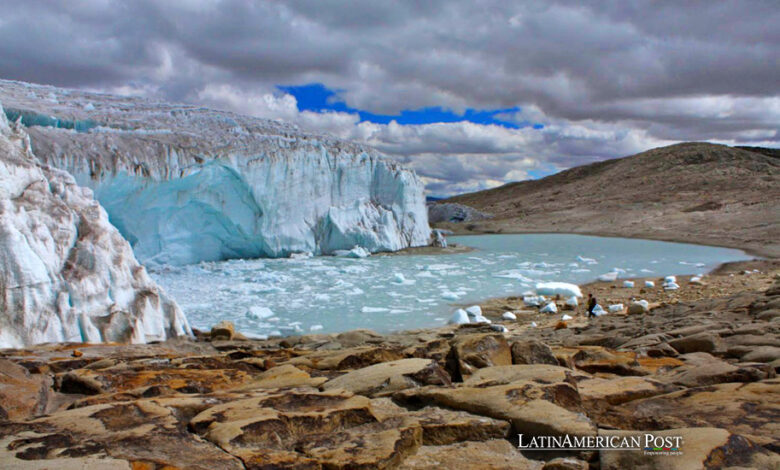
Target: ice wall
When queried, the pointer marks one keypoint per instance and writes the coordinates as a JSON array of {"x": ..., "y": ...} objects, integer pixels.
[
  {"x": 66, "y": 274},
  {"x": 186, "y": 184}
]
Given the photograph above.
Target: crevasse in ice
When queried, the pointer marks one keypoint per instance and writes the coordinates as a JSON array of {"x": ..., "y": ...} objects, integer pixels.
[
  {"x": 186, "y": 184},
  {"x": 66, "y": 274}
]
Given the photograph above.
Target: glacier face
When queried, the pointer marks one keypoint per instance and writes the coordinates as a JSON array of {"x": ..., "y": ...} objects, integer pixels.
[
  {"x": 186, "y": 184},
  {"x": 66, "y": 274}
]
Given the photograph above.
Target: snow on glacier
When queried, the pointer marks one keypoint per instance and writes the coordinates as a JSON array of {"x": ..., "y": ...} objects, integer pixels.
[
  {"x": 186, "y": 184},
  {"x": 66, "y": 274}
]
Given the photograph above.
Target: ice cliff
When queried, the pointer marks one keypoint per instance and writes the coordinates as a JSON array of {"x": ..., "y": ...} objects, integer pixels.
[
  {"x": 66, "y": 274},
  {"x": 186, "y": 184}
]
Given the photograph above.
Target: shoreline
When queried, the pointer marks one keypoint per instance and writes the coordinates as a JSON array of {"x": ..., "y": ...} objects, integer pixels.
[{"x": 458, "y": 230}]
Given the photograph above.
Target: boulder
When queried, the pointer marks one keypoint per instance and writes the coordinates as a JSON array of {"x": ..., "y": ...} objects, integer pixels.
[
  {"x": 702, "y": 369},
  {"x": 389, "y": 377},
  {"x": 762, "y": 354},
  {"x": 701, "y": 342},
  {"x": 635, "y": 308},
  {"x": 475, "y": 351},
  {"x": 701, "y": 448},
  {"x": 532, "y": 352},
  {"x": 224, "y": 330},
  {"x": 347, "y": 358}
]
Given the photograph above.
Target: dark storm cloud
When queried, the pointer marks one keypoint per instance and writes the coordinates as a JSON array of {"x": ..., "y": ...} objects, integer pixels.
[{"x": 606, "y": 80}]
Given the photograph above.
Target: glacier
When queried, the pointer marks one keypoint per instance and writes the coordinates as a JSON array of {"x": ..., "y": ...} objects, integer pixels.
[
  {"x": 185, "y": 184},
  {"x": 66, "y": 274}
]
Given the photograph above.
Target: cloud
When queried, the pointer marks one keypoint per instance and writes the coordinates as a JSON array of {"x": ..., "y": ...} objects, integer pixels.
[{"x": 606, "y": 80}]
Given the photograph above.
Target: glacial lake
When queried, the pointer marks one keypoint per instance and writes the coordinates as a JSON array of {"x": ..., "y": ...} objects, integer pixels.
[{"x": 391, "y": 293}]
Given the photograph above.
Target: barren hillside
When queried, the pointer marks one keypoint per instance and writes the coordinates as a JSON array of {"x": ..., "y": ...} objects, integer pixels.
[{"x": 694, "y": 192}]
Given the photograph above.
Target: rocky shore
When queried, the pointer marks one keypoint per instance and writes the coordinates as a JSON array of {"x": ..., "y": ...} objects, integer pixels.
[{"x": 701, "y": 365}]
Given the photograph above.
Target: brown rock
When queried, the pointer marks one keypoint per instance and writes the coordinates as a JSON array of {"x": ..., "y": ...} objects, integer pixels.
[
  {"x": 345, "y": 359},
  {"x": 475, "y": 351},
  {"x": 535, "y": 373},
  {"x": 125, "y": 434},
  {"x": 223, "y": 330},
  {"x": 701, "y": 448},
  {"x": 22, "y": 394},
  {"x": 703, "y": 369},
  {"x": 441, "y": 426},
  {"x": 700, "y": 342},
  {"x": 389, "y": 377},
  {"x": 752, "y": 410},
  {"x": 488, "y": 455},
  {"x": 532, "y": 408},
  {"x": 566, "y": 463},
  {"x": 561, "y": 325},
  {"x": 532, "y": 352},
  {"x": 762, "y": 354}
]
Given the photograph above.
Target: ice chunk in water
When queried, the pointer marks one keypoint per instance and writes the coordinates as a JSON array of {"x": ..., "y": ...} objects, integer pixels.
[
  {"x": 259, "y": 313},
  {"x": 558, "y": 288}
]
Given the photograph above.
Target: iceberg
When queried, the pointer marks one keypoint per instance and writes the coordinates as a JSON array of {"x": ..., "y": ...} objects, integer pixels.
[
  {"x": 459, "y": 317},
  {"x": 563, "y": 289},
  {"x": 185, "y": 184},
  {"x": 549, "y": 308},
  {"x": 66, "y": 274},
  {"x": 608, "y": 277}
]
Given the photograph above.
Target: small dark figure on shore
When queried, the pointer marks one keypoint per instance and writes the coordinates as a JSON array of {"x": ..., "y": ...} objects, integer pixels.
[{"x": 591, "y": 305}]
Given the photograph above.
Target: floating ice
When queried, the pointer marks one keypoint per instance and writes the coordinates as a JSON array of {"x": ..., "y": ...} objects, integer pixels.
[
  {"x": 259, "y": 313},
  {"x": 509, "y": 316},
  {"x": 582, "y": 259},
  {"x": 608, "y": 277},
  {"x": 355, "y": 252},
  {"x": 563, "y": 289},
  {"x": 374, "y": 309}
]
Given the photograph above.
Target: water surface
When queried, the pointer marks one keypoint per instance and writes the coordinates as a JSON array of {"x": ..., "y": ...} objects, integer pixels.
[{"x": 390, "y": 293}]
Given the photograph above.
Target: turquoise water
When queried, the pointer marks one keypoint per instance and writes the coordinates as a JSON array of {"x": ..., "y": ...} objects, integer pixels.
[{"x": 390, "y": 293}]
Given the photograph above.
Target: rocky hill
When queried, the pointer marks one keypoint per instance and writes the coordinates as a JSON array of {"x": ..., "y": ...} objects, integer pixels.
[{"x": 693, "y": 192}]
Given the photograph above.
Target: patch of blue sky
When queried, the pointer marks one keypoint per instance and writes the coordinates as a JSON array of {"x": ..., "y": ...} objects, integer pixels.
[{"x": 317, "y": 97}]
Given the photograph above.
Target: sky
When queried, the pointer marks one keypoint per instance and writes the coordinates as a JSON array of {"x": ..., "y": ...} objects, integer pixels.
[{"x": 471, "y": 94}]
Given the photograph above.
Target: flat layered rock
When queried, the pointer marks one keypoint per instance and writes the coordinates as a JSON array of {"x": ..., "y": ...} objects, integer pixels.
[
  {"x": 532, "y": 408},
  {"x": 537, "y": 373},
  {"x": 389, "y": 377},
  {"x": 748, "y": 409},
  {"x": 701, "y": 369},
  {"x": 487, "y": 455},
  {"x": 110, "y": 434},
  {"x": 347, "y": 359},
  {"x": 702, "y": 448},
  {"x": 441, "y": 426}
]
